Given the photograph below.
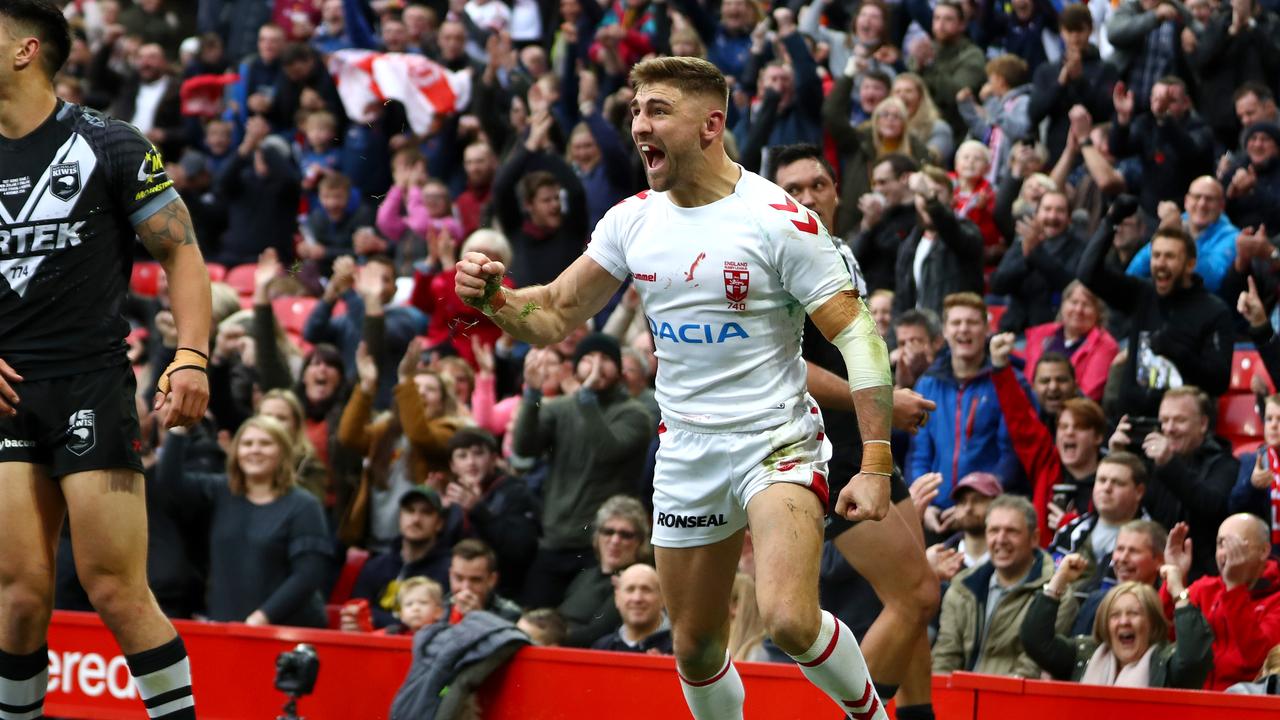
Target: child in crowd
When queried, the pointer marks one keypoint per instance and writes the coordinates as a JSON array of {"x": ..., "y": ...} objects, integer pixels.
[
  {"x": 419, "y": 603},
  {"x": 318, "y": 154},
  {"x": 1003, "y": 116},
  {"x": 975, "y": 199},
  {"x": 331, "y": 227}
]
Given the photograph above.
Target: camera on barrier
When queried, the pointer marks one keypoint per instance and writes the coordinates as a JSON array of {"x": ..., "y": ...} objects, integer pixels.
[{"x": 296, "y": 670}]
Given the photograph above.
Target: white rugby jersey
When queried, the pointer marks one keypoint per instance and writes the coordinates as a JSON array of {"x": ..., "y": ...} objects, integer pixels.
[{"x": 724, "y": 287}]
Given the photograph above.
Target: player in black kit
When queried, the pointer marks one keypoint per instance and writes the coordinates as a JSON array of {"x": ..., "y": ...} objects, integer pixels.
[{"x": 75, "y": 190}]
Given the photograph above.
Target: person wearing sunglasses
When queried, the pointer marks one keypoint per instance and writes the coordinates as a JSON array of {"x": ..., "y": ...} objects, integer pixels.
[{"x": 620, "y": 540}]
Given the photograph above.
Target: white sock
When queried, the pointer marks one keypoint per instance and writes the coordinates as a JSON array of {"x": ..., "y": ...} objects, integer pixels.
[
  {"x": 835, "y": 664},
  {"x": 719, "y": 697},
  {"x": 22, "y": 684}
]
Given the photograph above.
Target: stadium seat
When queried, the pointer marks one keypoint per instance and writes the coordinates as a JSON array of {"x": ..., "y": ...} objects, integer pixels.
[
  {"x": 217, "y": 271},
  {"x": 291, "y": 312},
  {"x": 356, "y": 559},
  {"x": 1241, "y": 448},
  {"x": 1244, "y": 365},
  {"x": 1238, "y": 419},
  {"x": 240, "y": 277},
  {"x": 145, "y": 278},
  {"x": 994, "y": 313}
]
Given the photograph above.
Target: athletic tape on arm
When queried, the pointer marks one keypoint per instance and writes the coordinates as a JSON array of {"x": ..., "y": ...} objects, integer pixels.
[{"x": 866, "y": 357}]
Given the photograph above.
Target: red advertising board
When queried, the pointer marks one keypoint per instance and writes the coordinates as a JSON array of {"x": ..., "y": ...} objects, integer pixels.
[{"x": 234, "y": 666}]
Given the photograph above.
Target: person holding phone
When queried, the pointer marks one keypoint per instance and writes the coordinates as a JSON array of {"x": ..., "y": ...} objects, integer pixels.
[{"x": 1193, "y": 472}]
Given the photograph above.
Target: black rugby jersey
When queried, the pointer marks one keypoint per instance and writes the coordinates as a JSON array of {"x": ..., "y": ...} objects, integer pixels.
[{"x": 71, "y": 192}]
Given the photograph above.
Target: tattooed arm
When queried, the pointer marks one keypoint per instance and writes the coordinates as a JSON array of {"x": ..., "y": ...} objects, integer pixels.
[{"x": 170, "y": 238}]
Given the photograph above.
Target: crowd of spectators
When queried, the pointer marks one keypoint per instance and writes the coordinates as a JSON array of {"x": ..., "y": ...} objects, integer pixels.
[{"x": 1062, "y": 212}]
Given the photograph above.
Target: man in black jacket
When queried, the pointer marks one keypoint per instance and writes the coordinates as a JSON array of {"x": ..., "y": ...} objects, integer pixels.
[
  {"x": 421, "y": 551},
  {"x": 1039, "y": 266},
  {"x": 640, "y": 605},
  {"x": 950, "y": 249},
  {"x": 1174, "y": 320},
  {"x": 888, "y": 218},
  {"x": 546, "y": 238},
  {"x": 1079, "y": 78},
  {"x": 1193, "y": 475},
  {"x": 500, "y": 509},
  {"x": 1172, "y": 141}
]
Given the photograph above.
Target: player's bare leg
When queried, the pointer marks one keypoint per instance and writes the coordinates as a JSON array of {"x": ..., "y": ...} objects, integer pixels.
[
  {"x": 108, "y": 515},
  {"x": 786, "y": 532},
  {"x": 890, "y": 555},
  {"x": 699, "y": 614},
  {"x": 31, "y": 511}
]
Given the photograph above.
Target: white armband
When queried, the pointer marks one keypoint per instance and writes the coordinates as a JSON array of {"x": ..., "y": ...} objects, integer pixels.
[{"x": 866, "y": 357}]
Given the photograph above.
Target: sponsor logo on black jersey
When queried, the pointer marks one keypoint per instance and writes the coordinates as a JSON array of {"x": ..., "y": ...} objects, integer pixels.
[
  {"x": 65, "y": 180},
  {"x": 80, "y": 436},
  {"x": 152, "y": 173}
]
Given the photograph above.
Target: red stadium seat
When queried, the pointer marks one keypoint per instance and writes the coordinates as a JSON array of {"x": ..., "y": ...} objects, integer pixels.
[
  {"x": 240, "y": 277},
  {"x": 1244, "y": 365},
  {"x": 291, "y": 312},
  {"x": 1238, "y": 419},
  {"x": 217, "y": 271},
  {"x": 994, "y": 313},
  {"x": 356, "y": 559},
  {"x": 1241, "y": 448},
  {"x": 145, "y": 278}
]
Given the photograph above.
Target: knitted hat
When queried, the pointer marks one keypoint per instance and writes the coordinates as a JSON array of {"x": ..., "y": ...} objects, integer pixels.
[
  {"x": 1269, "y": 128},
  {"x": 598, "y": 342}
]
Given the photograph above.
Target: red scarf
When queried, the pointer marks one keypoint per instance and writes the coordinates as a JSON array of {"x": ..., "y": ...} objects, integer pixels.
[{"x": 1273, "y": 460}]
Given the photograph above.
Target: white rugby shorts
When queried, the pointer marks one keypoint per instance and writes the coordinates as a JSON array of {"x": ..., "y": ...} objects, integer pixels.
[{"x": 703, "y": 481}]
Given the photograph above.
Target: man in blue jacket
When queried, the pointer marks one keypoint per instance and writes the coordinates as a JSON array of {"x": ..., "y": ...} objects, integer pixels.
[
  {"x": 967, "y": 432},
  {"x": 1204, "y": 220}
]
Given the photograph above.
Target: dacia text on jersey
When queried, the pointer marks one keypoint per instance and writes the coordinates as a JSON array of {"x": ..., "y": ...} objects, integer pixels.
[
  {"x": 43, "y": 237},
  {"x": 697, "y": 333}
]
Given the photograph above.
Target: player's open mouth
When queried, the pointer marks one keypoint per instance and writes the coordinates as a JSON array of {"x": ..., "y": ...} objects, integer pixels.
[{"x": 653, "y": 157}]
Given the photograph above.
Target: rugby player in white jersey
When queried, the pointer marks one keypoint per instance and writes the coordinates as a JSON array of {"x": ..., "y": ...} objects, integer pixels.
[{"x": 727, "y": 265}]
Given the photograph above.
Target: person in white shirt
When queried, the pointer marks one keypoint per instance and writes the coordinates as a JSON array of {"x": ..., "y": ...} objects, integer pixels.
[{"x": 727, "y": 265}]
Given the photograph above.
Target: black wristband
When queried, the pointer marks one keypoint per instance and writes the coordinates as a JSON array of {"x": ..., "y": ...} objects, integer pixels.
[
  {"x": 189, "y": 367},
  {"x": 206, "y": 357}
]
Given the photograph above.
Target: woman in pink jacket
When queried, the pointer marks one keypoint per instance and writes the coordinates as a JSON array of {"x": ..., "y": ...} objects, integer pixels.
[{"x": 1079, "y": 334}]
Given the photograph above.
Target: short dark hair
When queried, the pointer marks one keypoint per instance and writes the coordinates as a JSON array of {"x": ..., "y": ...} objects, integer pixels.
[
  {"x": 471, "y": 548},
  {"x": 533, "y": 182},
  {"x": 690, "y": 75},
  {"x": 783, "y": 155},
  {"x": 1137, "y": 468},
  {"x": 1054, "y": 357},
  {"x": 1173, "y": 81},
  {"x": 953, "y": 4},
  {"x": 899, "y": 163},
  {"x": 381, "y": 259},
  {"x": 879, "y": 76},
  {"x": 1176, "y": 233},
  {"x": 296, "y": 52},
  {"x": 550, "y": 622},
  {"x": 470, "y": 437},
  {"x": 1076, "y": 17},
  {"x": 926, "y": 319},
  {"x": 1253, "y": 88},
  {"x": 43, "y": 20},
  {"x": 335, "y": 181}
]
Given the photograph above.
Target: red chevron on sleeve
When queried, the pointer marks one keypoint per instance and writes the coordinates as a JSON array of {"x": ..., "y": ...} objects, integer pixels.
[{"x": 810, "y": 226}]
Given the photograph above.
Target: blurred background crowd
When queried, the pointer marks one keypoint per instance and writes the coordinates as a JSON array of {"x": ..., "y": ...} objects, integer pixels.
[{"x": 1063, "y": 213}]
